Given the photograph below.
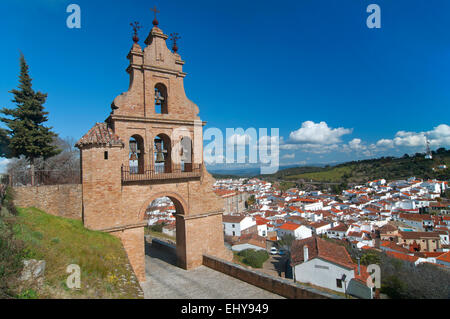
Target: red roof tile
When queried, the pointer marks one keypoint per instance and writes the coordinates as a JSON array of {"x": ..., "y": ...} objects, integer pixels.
[{"x": 100, "y": 134}]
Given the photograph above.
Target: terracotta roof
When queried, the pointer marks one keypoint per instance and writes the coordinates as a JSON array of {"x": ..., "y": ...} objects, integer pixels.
[
  {"x": 388, "y": 228},
  {"x": 319, "y": 224},
  {"x": 296, "y": 218},
  {"x": 320, "y": 248},
  {"x": 224, "y": 192},
  {"x": 232, "y": 218},
  {"x": 252, "y": 239},
  {"x": 401, "y": 256},
  {"x": 340, "y": 227},
  {"x": 261, "y": 221},
  {"x": 429, "y": 254},
  {"x": 289, "y": 226},
  {"x": 444, "y": 257},
  {"x": 100, "y": 134},
  {"x": 394, "y": 246}
]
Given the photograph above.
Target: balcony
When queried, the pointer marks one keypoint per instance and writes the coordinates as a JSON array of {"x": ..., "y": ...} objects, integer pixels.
[{"x": 150, "y": 173}]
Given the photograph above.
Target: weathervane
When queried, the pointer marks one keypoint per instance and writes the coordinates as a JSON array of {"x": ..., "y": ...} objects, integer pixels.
[
  {"x": 136, "y": 28},
  {"x": 155, "y": 10},
  {"x": 174, "y": 37}
]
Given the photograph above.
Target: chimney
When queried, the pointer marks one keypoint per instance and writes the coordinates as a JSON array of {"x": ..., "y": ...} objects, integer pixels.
[
  {"x": 359, "y": 267},
  {"x": 305, "y": 253}
]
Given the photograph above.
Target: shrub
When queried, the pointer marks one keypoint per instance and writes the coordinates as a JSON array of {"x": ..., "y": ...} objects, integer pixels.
[
  {"x": 254, "y": 258},
  {"x": 11, "y": 208},
  {"x": 11, "y": 254},
  {"x": 370, "y": 258},
  {"x": 157, "y": 228},
  {"x": 28, "y": 294},
  {"x": 401, "y": 279}
]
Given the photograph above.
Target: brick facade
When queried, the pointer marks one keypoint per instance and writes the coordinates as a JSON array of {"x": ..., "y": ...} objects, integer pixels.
[
  {"x": 58, "y": 200},
  {"x": 114, "y": 204}
]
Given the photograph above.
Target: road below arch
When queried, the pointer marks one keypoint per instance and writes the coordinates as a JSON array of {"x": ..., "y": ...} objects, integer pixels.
[{"x": 166, "y": 280}]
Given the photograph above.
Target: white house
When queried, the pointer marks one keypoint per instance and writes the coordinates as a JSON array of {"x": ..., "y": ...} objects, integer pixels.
[
  {"x": 296, "y": 230},
  {"x": 236, "y": 225},
  {"x": 337, "y": 232},
  {"x": 320, "y": 227},
  {"x": 325, "y": 264}
]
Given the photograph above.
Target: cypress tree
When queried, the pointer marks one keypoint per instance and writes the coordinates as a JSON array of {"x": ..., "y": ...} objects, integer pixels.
[{"x": 27, "y": 134}]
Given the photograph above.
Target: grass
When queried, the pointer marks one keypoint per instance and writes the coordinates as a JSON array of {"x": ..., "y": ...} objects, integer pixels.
[
  {"x": 156, "y": 234},
  {"x": 105, "y": 269},
  {"x": 332, "y": 175}
]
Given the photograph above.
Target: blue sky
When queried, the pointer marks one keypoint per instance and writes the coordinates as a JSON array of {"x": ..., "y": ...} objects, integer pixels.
[{"x": 336, "y": 89}]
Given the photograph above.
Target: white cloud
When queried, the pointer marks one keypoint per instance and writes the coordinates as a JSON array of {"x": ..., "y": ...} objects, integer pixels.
[
  {"x": 438, "y": 137},
  {"x": 317, "y": 133},
  {"x": 288, "y": 156},
  {"x": 356, "y": 145},
  {"x": 385, "y": 143}
]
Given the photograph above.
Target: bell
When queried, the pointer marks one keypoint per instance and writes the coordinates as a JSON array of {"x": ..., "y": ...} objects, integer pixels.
[
  {"x": 160, "y": 157},
  {"x": 133, "y": 157},
  {"x": 159, "y": 99},
  {"x": 133, "y": 146}
]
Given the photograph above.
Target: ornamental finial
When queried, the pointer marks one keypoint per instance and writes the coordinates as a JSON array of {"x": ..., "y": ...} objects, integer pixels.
[
  {"x": 174, "y": 37},
  {"x": 136, "y": 28},
  {"x": 155, "y": 21}
]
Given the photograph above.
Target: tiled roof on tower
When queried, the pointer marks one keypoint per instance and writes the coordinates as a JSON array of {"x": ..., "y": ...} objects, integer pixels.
[{"x": 100, "y": 134}]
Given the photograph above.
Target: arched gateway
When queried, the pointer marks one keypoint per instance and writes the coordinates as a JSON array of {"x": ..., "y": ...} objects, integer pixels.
[{"x": 137, "y": 155}]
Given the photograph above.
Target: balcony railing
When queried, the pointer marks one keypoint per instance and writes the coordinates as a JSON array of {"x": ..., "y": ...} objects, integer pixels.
[{"x": 151, "y": 173}]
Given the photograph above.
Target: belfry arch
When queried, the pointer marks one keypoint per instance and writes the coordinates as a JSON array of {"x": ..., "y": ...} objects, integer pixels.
[{"x": 116, "y": 194}]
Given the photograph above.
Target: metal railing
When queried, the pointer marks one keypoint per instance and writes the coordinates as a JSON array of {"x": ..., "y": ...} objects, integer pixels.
[{"x": 151, "y": 173}]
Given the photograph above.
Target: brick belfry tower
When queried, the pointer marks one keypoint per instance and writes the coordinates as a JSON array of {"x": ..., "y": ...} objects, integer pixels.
[{"x": 149, "y": 147}]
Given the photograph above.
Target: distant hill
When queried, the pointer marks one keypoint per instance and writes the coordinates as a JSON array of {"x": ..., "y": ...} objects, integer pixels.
[
  {"x": 361, "y": 171},
  {"x": 237, "y": 173}
]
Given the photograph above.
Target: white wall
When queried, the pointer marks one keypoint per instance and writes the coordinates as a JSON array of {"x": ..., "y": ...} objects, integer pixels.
[
  {"x": 313, "y": 272},
  {"x": 238, "y": 227}
]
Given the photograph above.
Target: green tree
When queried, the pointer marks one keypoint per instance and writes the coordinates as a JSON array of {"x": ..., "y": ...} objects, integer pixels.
[
  {"x": 370, "y": 258},
  {"x": 251, "y": 200},
  {"x": 27, "y": 135},
  {"x": 4, "y": 144},
  {"x": 286, "y": 242}
]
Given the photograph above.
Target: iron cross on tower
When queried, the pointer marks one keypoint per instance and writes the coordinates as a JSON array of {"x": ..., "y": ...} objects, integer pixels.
[
  {"x": 155, "y": 10},
  {"x": 136, "y": 28},
  {"x": 174, "y": 37}
]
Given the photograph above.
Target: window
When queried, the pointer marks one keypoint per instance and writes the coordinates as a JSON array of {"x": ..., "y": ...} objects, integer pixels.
[
  {"x": 339, "y": 283},
  {"x": 106, "y": 155},
  {"x": 233, "y": 225}
]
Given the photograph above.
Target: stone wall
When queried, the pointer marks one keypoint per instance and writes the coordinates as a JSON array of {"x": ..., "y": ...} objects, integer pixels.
[
  {"x": 58, "y": 200},
  {"x": 278, "y": 286}
]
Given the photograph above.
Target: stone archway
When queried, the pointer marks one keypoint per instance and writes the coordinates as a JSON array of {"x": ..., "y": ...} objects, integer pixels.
[{"x": 181, "y": 209}]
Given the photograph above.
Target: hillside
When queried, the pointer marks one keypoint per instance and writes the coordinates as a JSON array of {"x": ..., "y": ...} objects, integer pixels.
[
  {"x": 361, "y": 171},
  {"x": 105, "y": 270}
]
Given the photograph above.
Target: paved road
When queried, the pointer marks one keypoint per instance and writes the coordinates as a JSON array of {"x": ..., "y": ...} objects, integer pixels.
[{"x": 165, "y": 280}]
